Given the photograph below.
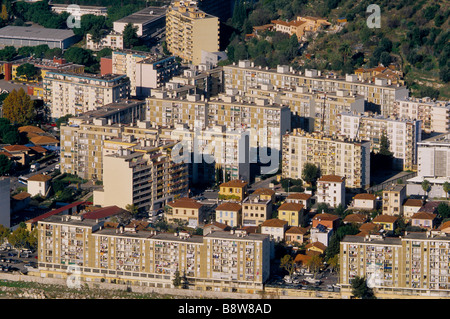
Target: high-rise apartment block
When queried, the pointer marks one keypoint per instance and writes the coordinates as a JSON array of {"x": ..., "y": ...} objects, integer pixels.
[
  {"x": 189, "y": 31},
  {"x": 245, "y": 75},
  {"x": 402, "y": 135},
  {"x": 144, "y": 175},
  {"x": 71, "y": 93},
  {"x": 82, "y": 139},
  {"x": 145, "y": 70},
  {"x": 333, "y": 155},
  {"x": 415, "y": 265},
  {"x": 435, "y": 115},
  {"x": 234, "y": 261}
]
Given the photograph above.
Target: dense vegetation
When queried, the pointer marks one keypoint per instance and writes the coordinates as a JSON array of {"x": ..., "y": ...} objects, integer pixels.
[{"x": 414, "y": 36}]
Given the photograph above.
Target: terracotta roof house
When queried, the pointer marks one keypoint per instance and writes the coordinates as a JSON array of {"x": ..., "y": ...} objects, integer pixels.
[
  {"x": 275, "y": 228},
  {"x": 364, "y": 201},
  {"x": 185, "y": 209},
  {"x": 292, "y": 213},
  {"x": 234, "y": 189},
  {"x": 229, "y": 213},
  {"x": 369, "y": 228},
  {"x": 104, "y": 213},
  {"x": 328, "y": 220},
  {"x": 264, "y": 193},
  {"x": 300, "y": 198},
  {"x": 30, "y": 129},
  {"x": 411, "y": 206},
  {"x": 295, "y": 235},
  {"x": 424, "y": 219},
  {"x": 355, "y": 218},
  {"x": 39, "y": 184},
  {"x": 215, "y": 226},
  {"x": 316, "y": 248},
  {"x": 445, "y": 227},
  {"x": 44, "y": 140},
  {"x": 302, "y": 260},
  {"x": 387, "y": 221}
]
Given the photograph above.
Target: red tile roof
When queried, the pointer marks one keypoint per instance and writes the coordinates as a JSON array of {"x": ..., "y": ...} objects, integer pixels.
[
  {"x": 274, "y": 222},
  {"x": 291, "y": 207},
  {"x": 229, "y": 206},
  {"x": 103, "y": 212},
  {"x": 365, "y": 196},
  {"x": 55, "y": 211},
  {"x": 331, "y": 178}
]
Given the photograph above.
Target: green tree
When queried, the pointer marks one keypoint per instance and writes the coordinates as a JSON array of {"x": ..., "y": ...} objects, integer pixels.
[
  {"x": 426, "y": 186},
  {"x": 333, "y": 263},
  {"x": 79, "y": 56},
  {"x": 28, "y": 70},
  {"x": 443, "y": 210},
  {"x": 133, "y": 209},
  {"x": 446, "y": 188},
  {"x": 314, "y": 264},
  {"x": 130, "y": 38},
  {"x": 360, "y": 288},
  {"x": 177, "y": 279},
  {"x": 4, "y": 233},
  {"x": 18, "y": 107},
  {"x": 19, "y": 238},
  {"x": 288, "y": 264},
  {"x": 310, "y": 173}
]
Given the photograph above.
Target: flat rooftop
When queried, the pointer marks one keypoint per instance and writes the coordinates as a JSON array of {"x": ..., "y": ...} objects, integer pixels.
[
  {"x": 144, "y": 16},
  {"x": 35, "y": 33}
]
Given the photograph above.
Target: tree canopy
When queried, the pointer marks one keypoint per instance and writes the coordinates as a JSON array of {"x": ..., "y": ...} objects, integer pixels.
[{"x": 18, "y": 107}]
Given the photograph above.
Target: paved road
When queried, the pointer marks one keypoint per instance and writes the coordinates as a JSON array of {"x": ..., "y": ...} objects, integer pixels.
[{"x": 45, "y": 167}]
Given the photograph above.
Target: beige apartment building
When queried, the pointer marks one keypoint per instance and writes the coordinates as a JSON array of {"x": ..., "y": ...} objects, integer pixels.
[
  {"x": 310, "y": 109},
  {"x": 144, "y": 175},
  {"x": 265, "y": 122},
  {"x": 393, "y": 198},
  {"x": 82, "y": 139},
  {"x": 256, "y": 209},
  {"x": 145, "y": 70},
  {"x": 245, "y": 76},
  {"x": 411, "y": 266},
  {"x": 87, "y": 250},
  {"x": 214, "y": 150},
  {"x": 333, "y": 155},
  {"x": 434, "y": 115},
  {"x": 71, "y": 93},
  {"x": 112, "y": 40},
  {"x": 402, "y": 134},
  {"x": 190, "y": 30}
]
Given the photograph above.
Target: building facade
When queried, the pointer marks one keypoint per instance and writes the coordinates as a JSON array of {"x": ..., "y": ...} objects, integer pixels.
[
  {"x": 220, "y": 261},
  {"x": 70, "y": 93},
  {"x": 334, "y": 156},
  {"x": 190, "y": 30}
]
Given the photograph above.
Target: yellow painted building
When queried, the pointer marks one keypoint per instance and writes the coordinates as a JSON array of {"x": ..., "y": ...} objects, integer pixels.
[
  {"x": 190, "y": 30},
  {"x": 234, "y": 189}
]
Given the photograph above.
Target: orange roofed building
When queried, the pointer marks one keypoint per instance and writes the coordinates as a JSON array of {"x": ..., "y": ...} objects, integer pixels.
[{"x": 187, "y": 210}]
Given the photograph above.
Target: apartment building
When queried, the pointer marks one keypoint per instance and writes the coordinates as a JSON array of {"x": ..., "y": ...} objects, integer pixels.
[
  {"x": 333, "y": 155},
  {"x": 112, "y": 40},
  {"x": 234, "y": 189},
  {"x": 82, "y": 139},
  {"x": 145, "y": 70},
  {"x": 256, "y": 209},
  {"x": 414, "y": 265},
  {"x": 310, "y": 109},
  {"x": 245, "y": 75},
  {"x": 214, "y": 152},
  {"x": 78, "y": 11},
  {"x": 275, "y": 228},
  {"x": 149, "y": 178},
  {"x": 88, "y": 250},
  {"x": 264, "y": 122},
  {"x": 71, "y": 93},
  {"x": 433, "y": 165},
  {"x": 207, "y": 81},
  {"x": 331, "y": 190},
  {"x": 402, "y": 134},
  {"x": 292, "y": 213},
  {"x": 434, "y": 115},
  {"x": 393, "y": 198},
  {"x": 186, "y": 210},
  {"x": 190, "y": 30},
  {"x": 229, "y": 213}
]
